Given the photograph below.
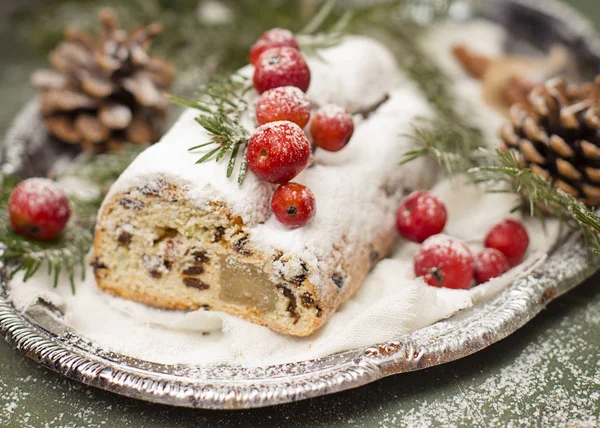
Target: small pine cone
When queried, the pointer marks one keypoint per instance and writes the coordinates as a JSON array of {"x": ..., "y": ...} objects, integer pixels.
[
  {"x": 555, "y": 132},
  {"x": 105, "y": 91}
]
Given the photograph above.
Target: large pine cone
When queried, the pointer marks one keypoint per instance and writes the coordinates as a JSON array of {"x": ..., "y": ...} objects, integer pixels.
[
  {"x": 555, "y": 132},
  {"x": 107, "y": 91}
]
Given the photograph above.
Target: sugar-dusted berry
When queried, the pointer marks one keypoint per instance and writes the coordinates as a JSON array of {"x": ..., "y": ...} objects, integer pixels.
[
  {"x": 278, "y": 151},
  {"x": 38, "y": 209},
  {"x": 490, "y": 263},
  {"x": 510, "y": 238},
  {"x": 283, "y": 66},
  {"x": 331, "y": 128},
  {"x": 420, "y": 215},
  {"x": 293, "y": 204},
  {"x": 443, "y": 261},
  {"x": 284, "y": 103},
  {"x": 274, "y": 38}
]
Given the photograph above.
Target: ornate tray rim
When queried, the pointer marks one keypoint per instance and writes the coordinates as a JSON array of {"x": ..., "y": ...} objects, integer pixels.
[{"x": 60, "y": 350}]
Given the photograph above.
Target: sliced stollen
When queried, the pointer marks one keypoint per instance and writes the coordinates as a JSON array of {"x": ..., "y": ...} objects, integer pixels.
[{"x": 174, "y": 234}]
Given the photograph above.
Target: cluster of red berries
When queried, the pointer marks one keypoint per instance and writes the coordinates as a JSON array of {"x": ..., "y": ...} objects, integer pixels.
[
  {"x": 279, "y": 148},
  {"x": 38, "y": 209},
  {"x": 443, "y": 261}
]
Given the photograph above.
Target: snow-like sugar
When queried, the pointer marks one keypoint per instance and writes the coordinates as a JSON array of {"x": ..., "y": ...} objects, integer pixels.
[{"x": 282, "y": 102}]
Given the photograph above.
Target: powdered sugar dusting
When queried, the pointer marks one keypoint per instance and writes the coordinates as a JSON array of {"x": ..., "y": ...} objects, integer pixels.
[
  {"x": 37, "y": 194},
  {"x": 284, "y": 103},
  {"x": 281, "y": 60},
  {"x": 353, "y": 74},
  {"x": 340, "y": 79},
  {"x": 552, "y": 379},
  {"x": 333, "y": 111},
  {"x": 444, "y": 243},
  {"x": 286, "y": 95},
  {"x": 293, "y": 136},
  {"x": 307, "y": 194},
  {"x": 281, "y": 66}
]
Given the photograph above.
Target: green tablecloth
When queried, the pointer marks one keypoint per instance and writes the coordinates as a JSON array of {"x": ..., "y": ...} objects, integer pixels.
[{"x": 548, "y": 373}]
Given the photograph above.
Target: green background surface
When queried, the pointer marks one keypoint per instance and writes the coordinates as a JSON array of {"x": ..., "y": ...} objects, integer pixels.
[{"x": 546, "y": 374}]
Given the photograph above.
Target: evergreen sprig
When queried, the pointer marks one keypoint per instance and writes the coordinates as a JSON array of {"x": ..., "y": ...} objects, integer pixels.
[
  {"x": 221, "y": 103},
  {"x": 68, "y": 252},
  {"x": 449, "y": 136},
  {"x": 63, "y": 254},
  {"x": 451, "y": 143}
]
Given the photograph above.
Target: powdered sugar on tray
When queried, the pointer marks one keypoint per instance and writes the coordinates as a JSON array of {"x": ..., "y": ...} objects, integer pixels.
[
  {"x": 390, "y": 304},
  {"x": 551, "y": 381}
]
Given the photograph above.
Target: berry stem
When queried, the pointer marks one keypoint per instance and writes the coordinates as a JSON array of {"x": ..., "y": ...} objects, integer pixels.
[{"x": 368, "y": 110}]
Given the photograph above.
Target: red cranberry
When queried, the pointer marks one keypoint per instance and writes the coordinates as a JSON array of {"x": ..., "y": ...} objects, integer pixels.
[
  {"x": 293, "y": 204},
  {"x": 274, "y": 38},
  {"x": 285, "y": 103},
  {"x": 490, "y": 263},
  {"x": 331, "y": 128},
  {"x": 443, "y": 261},
  {"x": 421, "y": 215},
  {"x": 38, "y": 209},
  {"x": 278, "y": 151},
  {"x": 283, "y": 66},
  {"x": 510, "y": 238}
]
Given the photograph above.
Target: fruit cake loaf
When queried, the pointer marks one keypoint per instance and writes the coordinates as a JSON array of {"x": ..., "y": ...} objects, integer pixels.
[{"x": 174, "y": 234}]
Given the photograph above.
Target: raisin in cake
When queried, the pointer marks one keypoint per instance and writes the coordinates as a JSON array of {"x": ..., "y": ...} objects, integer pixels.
[{"x": 174, "y": 234}]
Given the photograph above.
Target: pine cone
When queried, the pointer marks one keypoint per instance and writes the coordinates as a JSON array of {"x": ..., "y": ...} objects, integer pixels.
[
  {"x": 107, "y": 91},
  {"x": 555, "y": 132}
]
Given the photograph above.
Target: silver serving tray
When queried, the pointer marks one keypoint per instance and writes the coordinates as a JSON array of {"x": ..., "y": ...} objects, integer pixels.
[{"x": 40, "y": 334}]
